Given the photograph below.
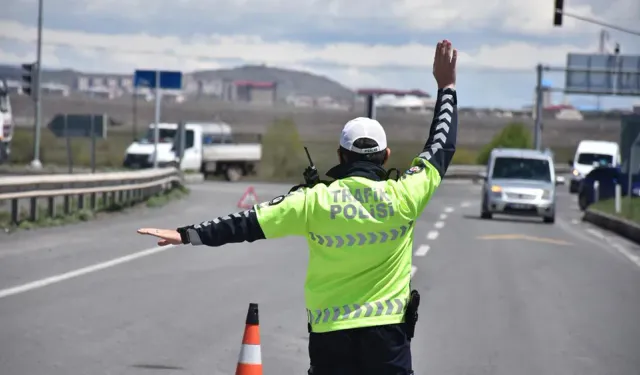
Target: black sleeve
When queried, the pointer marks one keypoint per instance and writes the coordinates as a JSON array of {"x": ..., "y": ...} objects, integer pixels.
[
  {"x": 441, "y": 144},
  {"x": 239, "y": 227}
]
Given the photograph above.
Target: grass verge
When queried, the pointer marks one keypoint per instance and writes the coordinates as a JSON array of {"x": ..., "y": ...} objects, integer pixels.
[
  {"x": 629, "y": 210},
  {"x": 60, "y": 219}
]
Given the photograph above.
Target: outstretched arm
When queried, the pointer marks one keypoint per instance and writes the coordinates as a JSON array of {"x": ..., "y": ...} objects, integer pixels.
[
  {"x": 282, "y": 216},
  {"x": 238, "y": 227}
]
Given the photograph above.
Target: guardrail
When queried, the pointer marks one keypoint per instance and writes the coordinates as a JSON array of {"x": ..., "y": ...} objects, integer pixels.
[{"x": 115, "y": 187}]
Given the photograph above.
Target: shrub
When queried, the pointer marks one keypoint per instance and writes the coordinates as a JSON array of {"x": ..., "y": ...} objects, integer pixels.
[
  {"x": 514, "y": 135},
  {"x": 283, "y": 155}
]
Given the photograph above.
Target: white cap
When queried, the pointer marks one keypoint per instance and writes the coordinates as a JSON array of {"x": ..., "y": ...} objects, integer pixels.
[{"x": 363, "y": 127}]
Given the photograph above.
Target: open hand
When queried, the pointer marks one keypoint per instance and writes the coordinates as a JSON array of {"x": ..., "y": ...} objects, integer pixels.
[
  {"x": 444, "y": 65},
  {"x": 166, "y": 236}
]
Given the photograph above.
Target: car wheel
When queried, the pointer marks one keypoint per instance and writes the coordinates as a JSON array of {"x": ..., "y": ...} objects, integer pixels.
[
  {"x": 233, "y": 173},
  {"x": 549, "y": 219},
  {"x": 486, "y": 215}
]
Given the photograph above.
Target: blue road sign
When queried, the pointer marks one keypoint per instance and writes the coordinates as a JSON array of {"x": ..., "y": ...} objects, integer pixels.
[
  {"x": 606, "y": 78},
  {"x": 79, "y": 125},
  {"x": 169, "y": 80}
]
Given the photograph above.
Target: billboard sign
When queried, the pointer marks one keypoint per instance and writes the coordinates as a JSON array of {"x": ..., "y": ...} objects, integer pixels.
[{"x": 599, "y": 74}]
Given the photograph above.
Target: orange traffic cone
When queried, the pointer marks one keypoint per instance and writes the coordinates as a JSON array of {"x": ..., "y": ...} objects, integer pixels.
[{"x": 250, "y": 361}]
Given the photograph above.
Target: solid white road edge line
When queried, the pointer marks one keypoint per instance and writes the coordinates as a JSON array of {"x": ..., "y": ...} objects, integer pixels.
[
  {"x": 81, "y": 271},
  {"x": 414, "y": 269},
  {"x": 432, "y": 235},
  {"x": 422, "y": 250},
  {"x": 624, "y": 251}
]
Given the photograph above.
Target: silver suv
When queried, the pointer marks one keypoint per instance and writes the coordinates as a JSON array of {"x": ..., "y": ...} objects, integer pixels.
[{"x": 520, "y": 182}]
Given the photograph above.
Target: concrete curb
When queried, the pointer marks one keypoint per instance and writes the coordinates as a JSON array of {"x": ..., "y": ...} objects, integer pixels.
[{"x": 622, "y": 227}]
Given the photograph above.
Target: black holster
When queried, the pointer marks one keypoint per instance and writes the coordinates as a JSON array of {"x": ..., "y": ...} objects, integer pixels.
[{"x": 411, "y": 313}]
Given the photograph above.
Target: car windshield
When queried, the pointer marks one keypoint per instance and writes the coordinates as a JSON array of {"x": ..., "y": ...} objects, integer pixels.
[
  {"x": 591, "y": 159},
  {"x": 166, "y": 136},
  {"x": 521, "y": 168}
]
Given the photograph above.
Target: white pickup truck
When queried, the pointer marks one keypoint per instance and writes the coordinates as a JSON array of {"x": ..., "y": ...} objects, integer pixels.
[{"x": 208, "y": 148}]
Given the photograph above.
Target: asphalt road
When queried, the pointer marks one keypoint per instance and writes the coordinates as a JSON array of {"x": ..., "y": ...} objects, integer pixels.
[{"x": 499, "y": 297}]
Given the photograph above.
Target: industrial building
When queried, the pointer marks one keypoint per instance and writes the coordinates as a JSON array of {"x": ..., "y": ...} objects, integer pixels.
[{"x": 254, "y": 92}]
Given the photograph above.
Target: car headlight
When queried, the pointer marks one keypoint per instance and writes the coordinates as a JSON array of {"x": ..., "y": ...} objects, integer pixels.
[
  {"x": 575, "y": 173},
  {"x": 496, "y": 190},
  {"x": 546, "y": 194}
]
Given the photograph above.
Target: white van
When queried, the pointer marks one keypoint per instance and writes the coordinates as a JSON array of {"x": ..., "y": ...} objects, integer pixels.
[
  {"x": 591, "y": 154},
  {"x": 209, "y": 148}
]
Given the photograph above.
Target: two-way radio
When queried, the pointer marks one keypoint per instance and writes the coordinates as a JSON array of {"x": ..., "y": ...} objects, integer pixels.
[{"x": 310, "y": 173}]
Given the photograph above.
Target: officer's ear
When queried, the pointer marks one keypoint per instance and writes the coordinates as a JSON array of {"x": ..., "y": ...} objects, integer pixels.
[{"x": 387, "y": 155}]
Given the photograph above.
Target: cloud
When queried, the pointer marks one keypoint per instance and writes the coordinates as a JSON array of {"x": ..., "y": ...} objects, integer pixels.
[
  {"x": 527, "y": 17},
  {"x": 356, "y": 42},
  {"x": 121, "y": 51}
]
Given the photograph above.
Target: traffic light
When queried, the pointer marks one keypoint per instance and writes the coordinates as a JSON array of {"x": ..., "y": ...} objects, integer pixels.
[
  {"x": 29, "y": 78},
  {"x": 557, "y": 13}
]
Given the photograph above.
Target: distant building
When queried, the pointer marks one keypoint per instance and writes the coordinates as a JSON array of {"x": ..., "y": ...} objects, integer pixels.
[
  {"x": 255, "y": 92},
  {"x": 381, "y": 91},
  {"x": 400, "y": 100}
]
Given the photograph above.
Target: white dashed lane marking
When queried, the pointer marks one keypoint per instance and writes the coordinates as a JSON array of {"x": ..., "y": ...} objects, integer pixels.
[
  {"x": 443, "y": 216},
  {"x": 465, "y": 204},
  {"x": 448, "y": 210},
  {"x": 422, "y": 250},
  {"x": 439, "y": 224},
  {"x": 432, "y": 235}
]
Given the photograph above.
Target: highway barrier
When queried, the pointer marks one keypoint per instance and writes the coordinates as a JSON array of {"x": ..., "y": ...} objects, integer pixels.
[
  {"x": 625, "y": 228},
  {"x": 114, "y": 188}
]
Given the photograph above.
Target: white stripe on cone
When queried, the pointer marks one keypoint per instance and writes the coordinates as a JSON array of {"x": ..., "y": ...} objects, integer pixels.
[{"x": 250, "y": 354}]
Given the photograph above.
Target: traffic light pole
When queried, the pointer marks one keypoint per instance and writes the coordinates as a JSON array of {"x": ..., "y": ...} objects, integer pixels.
[
  {"x": 561, "y": 12},
  {"x": 35, "y": 163}
]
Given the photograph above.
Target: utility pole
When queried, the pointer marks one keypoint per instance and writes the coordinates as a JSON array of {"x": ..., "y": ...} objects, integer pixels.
[
  {"x": 604, "y": 37},
  {"x": 36, "y": 163}
]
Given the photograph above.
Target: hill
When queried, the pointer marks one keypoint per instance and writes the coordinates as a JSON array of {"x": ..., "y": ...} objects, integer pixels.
[{"x": 289, "y": 81}]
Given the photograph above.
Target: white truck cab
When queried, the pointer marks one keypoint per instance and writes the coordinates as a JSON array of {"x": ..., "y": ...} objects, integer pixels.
[
  {"x": 139, "y": 154},
  {"x": 589, "y": 155}
]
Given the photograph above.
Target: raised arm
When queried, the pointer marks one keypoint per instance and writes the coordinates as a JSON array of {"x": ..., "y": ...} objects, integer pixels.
[
  {"x": 418, "y": 184},
  {"x": 441, "y": 144}
]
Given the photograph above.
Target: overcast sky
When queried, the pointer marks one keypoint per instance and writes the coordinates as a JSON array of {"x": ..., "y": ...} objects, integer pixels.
[{"x": 360, "y": 43}]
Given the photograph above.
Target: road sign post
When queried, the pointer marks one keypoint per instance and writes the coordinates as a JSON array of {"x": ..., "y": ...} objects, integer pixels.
[
  {"x": 158, "y": 81},
  {"x": 590, "y": 74},
  {"x": 92, "y": 126}
]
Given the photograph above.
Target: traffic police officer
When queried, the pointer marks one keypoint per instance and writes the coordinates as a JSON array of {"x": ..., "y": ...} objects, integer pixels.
[{"x": 360, "y": 234}]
